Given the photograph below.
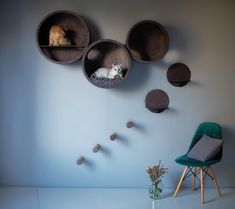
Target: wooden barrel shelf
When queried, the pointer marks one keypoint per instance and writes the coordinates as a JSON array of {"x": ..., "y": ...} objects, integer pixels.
[
  {"x": 147, "y": 41},
  {"x": 178, "y": 74},
  {"x": 103, "y": 54},
  {"x": 157, "y": 101},
  {"x": 77, "y": 31}
]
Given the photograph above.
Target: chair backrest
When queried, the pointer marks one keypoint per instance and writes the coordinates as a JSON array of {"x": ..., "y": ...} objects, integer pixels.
[{"x": 210, "y": 129}]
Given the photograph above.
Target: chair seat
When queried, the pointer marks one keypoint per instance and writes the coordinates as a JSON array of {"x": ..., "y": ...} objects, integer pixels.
[{"x": 184, "y": 160}]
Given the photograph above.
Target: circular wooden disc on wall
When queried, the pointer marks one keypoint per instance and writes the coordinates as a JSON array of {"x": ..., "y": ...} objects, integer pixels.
[
  {"x": 147, "y": 41},
  {"x": 178, "y": 74},
  {"x": 103, "y": 54},
  {"x": 157, "y": 101},
  {"x": 76, "y": 30}
]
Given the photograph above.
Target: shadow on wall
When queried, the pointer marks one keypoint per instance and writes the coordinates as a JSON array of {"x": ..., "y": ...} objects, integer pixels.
[
  {"x": 228, "y": 163},
  {"x": 138, "y": 77},
  {"x": 140, "y": 127},
  {"x": 89, "y": 164},
  {"x": 122, "y": 139},
  {"x": 95, "y": 33},
  {"x": 182, "y": 46},
  {"x": 178, "y": 45},
  {"x": 106, "y": 151},
  {"x": 18, "y": 92}
]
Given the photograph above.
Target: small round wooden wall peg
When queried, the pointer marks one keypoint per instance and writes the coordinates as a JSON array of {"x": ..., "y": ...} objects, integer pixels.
[
  {"x": 80, "y": 160},
  {"x": 96, "y": 148},
  {"x": 129, "y": 124},
  {"x": 113, "y": 136}
]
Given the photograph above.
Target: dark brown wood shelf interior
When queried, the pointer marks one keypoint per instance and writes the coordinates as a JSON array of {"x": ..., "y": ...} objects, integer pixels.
[
  {"x": 178, "y": 74},
  {"x": 147, "y": 41},
  {"x": 71, "y": 46},
  {"x": 157, "y": 101},
  {"x": 105, "y": 53},
  {"x": 78, "y": 33}
]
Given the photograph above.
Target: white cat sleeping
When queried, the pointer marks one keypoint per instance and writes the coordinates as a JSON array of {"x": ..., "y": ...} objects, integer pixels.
[{"x": 109, "y": 73}]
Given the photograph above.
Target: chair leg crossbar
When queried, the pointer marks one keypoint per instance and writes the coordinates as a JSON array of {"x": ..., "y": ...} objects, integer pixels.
[
  {"x": 190, "y": 172},
  {"x": 193, "y": 171}
]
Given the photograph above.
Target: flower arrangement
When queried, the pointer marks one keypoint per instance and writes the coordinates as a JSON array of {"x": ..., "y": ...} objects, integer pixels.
[{"x": 155, "y": 174}]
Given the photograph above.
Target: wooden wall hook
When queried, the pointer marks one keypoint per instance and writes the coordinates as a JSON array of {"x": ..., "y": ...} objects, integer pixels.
[
  {"x": 129, "y": 124},
  {"x": 80, "y": 160},
  {"x": 96, "y": 148},
  {"x": 113, "y": 136}
]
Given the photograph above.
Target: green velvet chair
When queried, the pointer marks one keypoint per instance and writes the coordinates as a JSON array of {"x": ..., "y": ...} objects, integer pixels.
[{"x": 195, "y": 167}]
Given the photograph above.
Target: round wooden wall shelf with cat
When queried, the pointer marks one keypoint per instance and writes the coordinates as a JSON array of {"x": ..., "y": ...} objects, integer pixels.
[
  {"x": 106, "y": 63},
  {"x": 147, "y": 41},
  {"x": 157, "y": 101},
  {"x": 178, "y": 74},
  {"x": 71, "y": 37}
]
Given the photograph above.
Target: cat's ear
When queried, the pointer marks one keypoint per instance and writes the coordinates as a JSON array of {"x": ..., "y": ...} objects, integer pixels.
[{"x": 113, "y": 65}]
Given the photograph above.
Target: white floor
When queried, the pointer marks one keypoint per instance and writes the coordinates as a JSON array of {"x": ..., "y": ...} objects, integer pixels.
[{"x": 71, "y": 198}]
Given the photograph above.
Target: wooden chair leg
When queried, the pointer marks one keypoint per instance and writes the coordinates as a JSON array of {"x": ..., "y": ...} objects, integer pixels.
[
  {"x": 181, "y": 180},
  {"x": 194, "y": 177},
  {"x": 215, "y": 182},
  {"x": 202, "y": 185}
]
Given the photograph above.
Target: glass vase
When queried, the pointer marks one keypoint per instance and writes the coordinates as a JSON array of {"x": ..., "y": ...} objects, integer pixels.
[{"x": 155, "y": 191}]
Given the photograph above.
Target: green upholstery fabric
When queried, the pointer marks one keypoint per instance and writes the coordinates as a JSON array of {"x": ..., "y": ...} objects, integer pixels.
[
  {"x": 207, "y": 128},
  {"x": 184, "y": 160}
]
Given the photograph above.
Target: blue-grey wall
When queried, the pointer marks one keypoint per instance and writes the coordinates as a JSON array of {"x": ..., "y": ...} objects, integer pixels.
[{"x": 50, "y": 114}]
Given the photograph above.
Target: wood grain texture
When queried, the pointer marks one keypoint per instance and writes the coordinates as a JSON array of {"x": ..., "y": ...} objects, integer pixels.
[
  {"x": 215, "y": 181},
  {"x": 157, "y": 101},
  {"x": 105, "y": 53},
  {"x": 202, "y": 184},
  {"x": 147, "y": 41},
  {"x": 181, "y": 180},
  {"x": 178, "y": 74},
  {"x": 77, "y": 31}
]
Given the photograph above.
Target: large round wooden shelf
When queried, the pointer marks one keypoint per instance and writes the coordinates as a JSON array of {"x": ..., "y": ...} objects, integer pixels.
[
  {"x": 78, "y": 33},
  {"x": 105, "y": 53},
  {"x": 157, "y": 101},
  {"x": 178, "y": 74},
  {"x": 147, "y": 41}
]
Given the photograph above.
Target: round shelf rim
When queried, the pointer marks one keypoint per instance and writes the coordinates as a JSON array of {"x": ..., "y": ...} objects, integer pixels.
[
  {"x": 66, "y": 12},
  {"x": 164, "y": 31},
  {"x": 103, "y": 41}
]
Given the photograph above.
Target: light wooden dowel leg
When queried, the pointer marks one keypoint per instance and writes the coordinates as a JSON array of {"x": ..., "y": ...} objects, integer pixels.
[
  {"x": 194, "y": 177},
  {"x": 181, "y": 180},
  {"x": 214, "y": 179},
  {"x": 202, "y": 185}
]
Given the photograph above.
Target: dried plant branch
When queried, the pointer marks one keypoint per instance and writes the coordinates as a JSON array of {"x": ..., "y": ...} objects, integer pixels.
[{"x": 156, "y": 172}]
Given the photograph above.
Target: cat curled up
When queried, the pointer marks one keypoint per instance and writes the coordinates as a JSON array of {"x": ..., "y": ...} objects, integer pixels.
[{"x": 57, "y": 36}]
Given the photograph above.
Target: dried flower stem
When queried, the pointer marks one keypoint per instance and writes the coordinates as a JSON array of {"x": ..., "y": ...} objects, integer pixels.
[{"x": 156, "y": 172}]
